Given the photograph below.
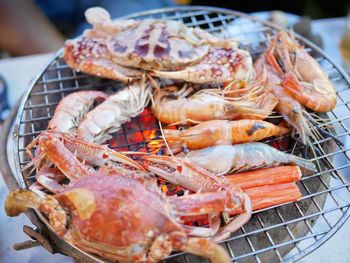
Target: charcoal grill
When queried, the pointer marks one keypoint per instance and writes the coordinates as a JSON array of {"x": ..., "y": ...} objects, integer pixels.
[{"x": 283, "y": 233}]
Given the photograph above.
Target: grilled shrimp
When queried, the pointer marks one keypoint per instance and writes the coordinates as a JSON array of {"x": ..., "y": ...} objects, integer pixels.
[
  {"x": 290, "y": 109},
  {"x": 170, "y": 106},
  {"x": 220, "y": 132},
  {"x": 220, "y": 65},
  {"x": 294, "y": 114},
  {"x": 222, "y": 159},
  {"x": 71, "y": 109},
  {"x": 302, "y": 76},
  {"x": 108, "y": 117}
]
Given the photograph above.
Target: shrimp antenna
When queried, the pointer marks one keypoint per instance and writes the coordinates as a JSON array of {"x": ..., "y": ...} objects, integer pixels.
[
  {"x": 328, "y": 134},
  {"x": 153, "y": 82},
  {"x": 294, "y": 146},
  {"x": 319, "y": 121},
  {"x": 151, "y": 98},
  {"x": 316, "y": 116},
  {"x": 321, "y": 131},
  {"x": 164, "y": 139},
  {"x": 314, "y": 134}
]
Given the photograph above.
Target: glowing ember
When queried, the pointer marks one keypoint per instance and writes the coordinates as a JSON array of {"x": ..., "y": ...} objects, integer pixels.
[{"x": 135, "y": 134}]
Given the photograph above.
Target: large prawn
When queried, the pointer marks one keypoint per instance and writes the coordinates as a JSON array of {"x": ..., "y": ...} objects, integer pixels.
[
  {"x": 171, "y": 106},
  {"x": 68, "y": 114},
  {"x": 72, "y": 108},
  {"x": 290, "y": 109},
  {"x": 302, "y": 76},
  {"x": 222, "y": 159},
  {"x": 221, "y": 132},
  {"x": 108, "y": 117}
]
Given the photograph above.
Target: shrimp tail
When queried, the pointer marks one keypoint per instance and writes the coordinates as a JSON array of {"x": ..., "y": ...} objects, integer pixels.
[{"x": 306, "y": 164}]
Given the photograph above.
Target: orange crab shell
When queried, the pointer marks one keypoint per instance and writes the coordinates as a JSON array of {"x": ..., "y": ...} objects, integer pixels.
[{"x": 115, "y": 213}]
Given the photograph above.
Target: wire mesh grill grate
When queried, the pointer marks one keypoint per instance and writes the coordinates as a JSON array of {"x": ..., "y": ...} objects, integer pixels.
[{"x": 285, "y": 232}]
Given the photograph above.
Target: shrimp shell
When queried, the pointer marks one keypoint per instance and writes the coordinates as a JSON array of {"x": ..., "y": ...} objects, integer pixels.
[
  {"x": 222, "y": 159},
  {"x": 221, "y": 132},
  {"x": 71, "y": 109},
  {"x": 301, "y": 74},
  {"x": 112, "y": 113},
  {"x": 201, "y": 107}
]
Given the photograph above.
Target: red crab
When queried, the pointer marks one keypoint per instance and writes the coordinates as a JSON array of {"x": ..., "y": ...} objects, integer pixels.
[{"x": 117, "y": 214}]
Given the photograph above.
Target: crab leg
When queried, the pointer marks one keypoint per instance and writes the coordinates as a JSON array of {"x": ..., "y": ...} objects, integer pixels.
[
  {"x": 63, "y": 158},
  {"x": 206, "y": 248},
  {"x": 237, "y": 222},
  {"x": 97, "y": 154},
  {"x": 205, "y": 203},
  {"x": 50, "y": 184},
  {"x": 213, "y": 221},
  {"x": 209, "y": 205},
  {"x": 19, "y": 201},
  {"x": 60, "y": 149},
  {"x": 107, "y": 69},
  {"x": 220, "y": 65},
  {"x": 182, "y": 172}
]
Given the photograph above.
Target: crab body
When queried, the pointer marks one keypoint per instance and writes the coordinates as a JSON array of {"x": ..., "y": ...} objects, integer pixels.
[
  {"x": 116, "y": 214},
  {"x": 125, "y": 49},
  {"x": 121, "y": 220}
]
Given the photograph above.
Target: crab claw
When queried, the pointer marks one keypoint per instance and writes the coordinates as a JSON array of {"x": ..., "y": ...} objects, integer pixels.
[
  {"x": 114, "y": 156},
  {"x": 94, "y": 153},
  {"x": 19, "y": 201},
  {"x": 182, "y": 171}
]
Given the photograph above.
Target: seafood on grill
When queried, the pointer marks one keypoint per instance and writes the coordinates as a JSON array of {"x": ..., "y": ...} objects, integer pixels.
[
  {"x": 117, "y": 109},
  {"x": 100, "y": 212},
  {"x": 115, "y": 49},
  {"x": 219, "y": 66},
  {"x": 171, "y": 106},
  {"x": 72, "y": 108},
  {"x": 103, "y": 215},
  {"x": 221, "y": 132},
  {"x": 68, "y": 114},
  {"x": 261, "y": 197},
  {"x": 92, "y": 56},
  {"x": 265, "y": 176},
  {"x": 55, "y": 145},
  {"x": 222, "y": 159},
  {"x": 184, "y": 172},
  {"x": 301, "y": 75},
  {"x": 271, "y": 195},
  {"x": 290, "y": 109}
]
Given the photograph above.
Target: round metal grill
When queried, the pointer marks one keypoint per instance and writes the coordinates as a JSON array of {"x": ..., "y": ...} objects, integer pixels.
[{"x": 282, "y": 233}]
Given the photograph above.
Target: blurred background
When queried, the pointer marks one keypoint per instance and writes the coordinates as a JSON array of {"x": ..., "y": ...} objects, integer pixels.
[{"x": 37, "y": 26}]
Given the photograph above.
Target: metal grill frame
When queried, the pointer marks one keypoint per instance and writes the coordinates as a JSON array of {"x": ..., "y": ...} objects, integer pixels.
[{"x": 212, "y": 17}]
